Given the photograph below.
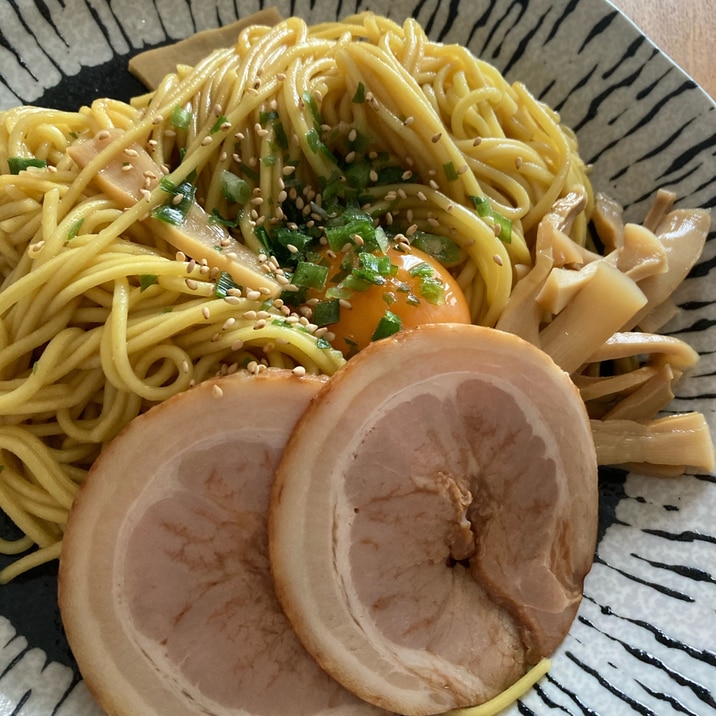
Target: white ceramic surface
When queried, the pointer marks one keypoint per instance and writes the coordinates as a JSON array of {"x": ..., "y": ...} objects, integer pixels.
[{"x": 644, "y": 641}]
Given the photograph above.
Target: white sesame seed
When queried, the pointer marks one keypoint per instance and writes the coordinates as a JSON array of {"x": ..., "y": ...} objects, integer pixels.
[
  {"x": 253, "y": 295},
  {"x": 232, "y": 300},
  {"x": 237, "y": 345},
  {"x": 249, "y": 315},
  {"x": 497, "y": 259},
  {"x": 228, "y": 323},
  {"x": 127, "y": 167},
  {"x": 206, "y": 141},
  {"x": 261, "y": 323},
  {"x": 345, "y": 303},
  {"x": 177, "y": 199},
  {"x": 217, "y": 391},
  {"x": 158, "y": 119},
  {"x": 102, "y": 135},
  {"x": 476, "y": 141},
  {"x": 299, "y": 370},
  {"x": 191, "y": 284},
  {"x": 206, "y": 313}
]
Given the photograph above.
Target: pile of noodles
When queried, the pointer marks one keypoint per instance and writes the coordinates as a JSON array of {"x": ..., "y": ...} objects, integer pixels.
[{"x": 100, "y": 318}]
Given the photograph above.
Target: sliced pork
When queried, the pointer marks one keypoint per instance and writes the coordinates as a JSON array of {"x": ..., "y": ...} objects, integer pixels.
[
  {"x": 434, "y": 515},
  {"x": 165, "y": 588}
]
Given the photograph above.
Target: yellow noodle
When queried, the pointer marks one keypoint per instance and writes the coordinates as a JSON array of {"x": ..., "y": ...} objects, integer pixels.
[{"x": 100, "y": 318}]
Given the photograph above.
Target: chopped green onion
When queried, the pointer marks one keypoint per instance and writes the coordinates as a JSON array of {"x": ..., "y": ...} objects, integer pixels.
[
  {"x": 268, "y": 160},
  {"x": 247, "y": 171},
  {"x": 288, "y": 237},
  {"x": 422, "y": 269},
  {"x": 442, "y": 249},
  {"x": 266, "y": 117},
  {"x": 280, "y": 134},
  {"x": 314, "y": 140},
  {"x": 18, "y": 164},
  {"x": 360, "y": 143},
  {"x": 217, "y": 218},
  {"x": 74, "y": 229},
  {"x": 322, "y": 343},
  {"x": 412, "y": 300},
  {"x": 310, "y": 275},
  {"x": 262, "y": 235},
  {"x": 358, "y": 174},
  {"x": 220, "y": 121},
  {"x": 170, "y": 212},
  {"x": 450, "y": 171},
  {"x": 387, "y": 326},
  {"x": 377, "y": 264},
  {"x": 337, "y": 292},
  {"x": 484, "y": 210},
  {"x": 355, "y": 282},
  {"x": 234, "y": 188},
  {"x": 180, "y": 117},
  {"x": 146, "y": 280},
  {"x": 310, "y": 101},
  {"x": 432, "y": 290},
  {"x": 482, "y": 205},
  {"x": 367, "y": 276},
  {"x": 326, "y": 312},
  {"x": 505, "y": 225},
  {"x": 359, "y": 96},
  {"x": 224, "y": 283},
  {"x": 392, "y": 174}
]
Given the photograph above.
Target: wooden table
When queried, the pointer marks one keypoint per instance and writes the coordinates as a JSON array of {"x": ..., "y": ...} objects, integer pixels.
[{"x": 682, "y": 29}]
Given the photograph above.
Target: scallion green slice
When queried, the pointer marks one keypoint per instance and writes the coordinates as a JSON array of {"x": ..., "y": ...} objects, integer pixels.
[
  {"x": 310, "y": 275},
  {"x": 234, "y": 188},
  {"x": 18, "y": 164},
  {"x": 180, "y": 117},
  {"x": 387, "y": 326}
]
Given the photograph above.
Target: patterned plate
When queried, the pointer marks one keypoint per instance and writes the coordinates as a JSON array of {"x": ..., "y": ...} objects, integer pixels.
[{"x": 644, "y": 641}]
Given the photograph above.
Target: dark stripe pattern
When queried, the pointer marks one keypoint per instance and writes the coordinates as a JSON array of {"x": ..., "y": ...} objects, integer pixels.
[{"x": 644, "y": 641}]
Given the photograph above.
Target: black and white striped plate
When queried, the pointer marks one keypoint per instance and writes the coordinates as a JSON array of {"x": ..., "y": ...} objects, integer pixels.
[{"x": 644, "y": 641}]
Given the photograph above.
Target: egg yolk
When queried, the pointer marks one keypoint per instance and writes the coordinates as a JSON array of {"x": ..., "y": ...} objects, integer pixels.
[{"x": 418, "y": 290}]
